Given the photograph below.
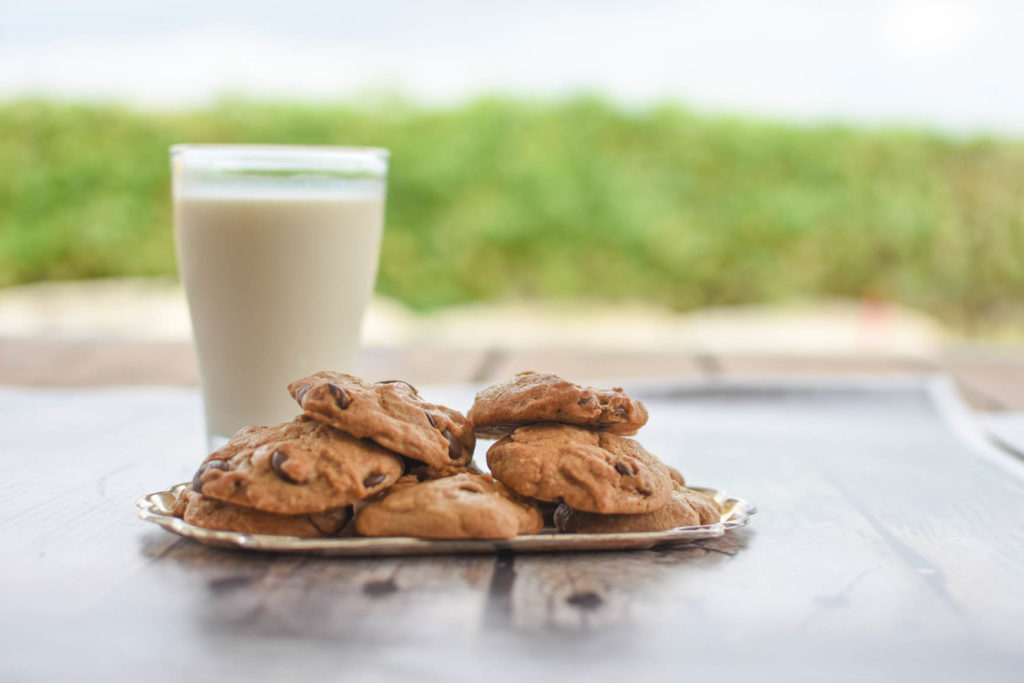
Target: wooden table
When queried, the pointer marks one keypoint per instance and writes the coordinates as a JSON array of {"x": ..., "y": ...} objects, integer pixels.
[
  {"x": 990, "y": 379},
  {"x": 889, "y": 545}
]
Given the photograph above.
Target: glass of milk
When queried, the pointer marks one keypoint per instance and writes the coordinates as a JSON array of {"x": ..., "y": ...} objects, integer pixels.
[{"x": 278, "y": 249}]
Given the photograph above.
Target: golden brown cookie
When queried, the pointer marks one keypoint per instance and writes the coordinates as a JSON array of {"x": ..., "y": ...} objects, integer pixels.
[
  {"x": 677, "y": 476},
  {"x": 587, "y": 470},
  {"x": 686, "y": 508},
  {"x": 390, "y": 413},
  {"x": 538, "y": 397},
  {"x": 199, "y": 510},
  {"x": 459, "y": 506},
  {"x": 298, "y": 467}
]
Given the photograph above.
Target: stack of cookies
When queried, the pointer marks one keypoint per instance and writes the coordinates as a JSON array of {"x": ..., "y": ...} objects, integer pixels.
[
  {"x": 375, "y": 459},
  {"x": 405, "y": 463},
  {"x": 567, "y": 444}
]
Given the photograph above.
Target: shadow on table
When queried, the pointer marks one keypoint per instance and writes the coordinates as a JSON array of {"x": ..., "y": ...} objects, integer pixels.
[{"x": 431, "y": 598}]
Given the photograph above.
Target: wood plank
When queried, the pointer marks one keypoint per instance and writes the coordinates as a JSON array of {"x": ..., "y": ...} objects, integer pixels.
[
  {"x": 80, "y": 363},
  {"x": 901, "y": 500},
  {"x": 989, "y": 380},
  {"x": 831, "y": 577},
  {"x": 997, "y": 380},
  {"x": 84, "y": 363},
  {"x": 264, "y": 595},
  {"x": 775, "y": 365},
  {"x": 884, "y": 548},
  {"x": 74, "y": 462}
]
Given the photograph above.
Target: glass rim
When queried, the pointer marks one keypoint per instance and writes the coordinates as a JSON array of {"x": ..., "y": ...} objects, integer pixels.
[{"x": 244, "y": 150}]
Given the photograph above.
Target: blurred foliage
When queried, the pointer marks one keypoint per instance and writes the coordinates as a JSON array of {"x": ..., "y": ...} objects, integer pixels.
[{"x": 576, "y": 198}]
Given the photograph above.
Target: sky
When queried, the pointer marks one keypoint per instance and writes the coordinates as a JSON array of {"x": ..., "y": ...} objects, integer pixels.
[{"x": 946, "y": 64}]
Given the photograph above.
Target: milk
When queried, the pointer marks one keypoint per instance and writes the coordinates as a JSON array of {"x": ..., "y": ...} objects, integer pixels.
[{"x": 277, "y": 282}]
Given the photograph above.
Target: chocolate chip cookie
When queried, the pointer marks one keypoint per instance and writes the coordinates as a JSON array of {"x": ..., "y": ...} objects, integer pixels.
[
  {"x": 686, "y": 508},
  {"x": 537, "y": 397},
  {"x": 298, "y": 467},
  {"x": 199, "y": 510},
  {"x": 459, "y": 506},
  {"x": 390, "y": 413},
  {"x": 587, "y": 470}
]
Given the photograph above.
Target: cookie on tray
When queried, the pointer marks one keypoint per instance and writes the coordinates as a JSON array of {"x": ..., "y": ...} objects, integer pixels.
[
  {"x": 389, "y": 413},
  {"x": 459, "y": 506},
  {"x": 538, "y": 397},
  {"x": 686, "y": 508},
  {"x": 587, "y": 470},
  {"x": 295, "y": 468},
  {"x": 676, "y": 475},
  {"x": 202, "y": 511}
]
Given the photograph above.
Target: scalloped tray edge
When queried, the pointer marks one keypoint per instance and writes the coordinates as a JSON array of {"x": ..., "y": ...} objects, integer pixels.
[{"x": 736, "y": 512}]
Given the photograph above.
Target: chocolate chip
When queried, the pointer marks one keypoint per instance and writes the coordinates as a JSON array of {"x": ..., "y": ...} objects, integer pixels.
[
  {"x": 644, "y": 492},
  {"x": 229, "y": 583},
  {"x": 376, "y": 589},
  {"x": 341, "y": 398},
  {"x": 587, "y": 400},
  {"x": 623, "y": 469},
  {"x": 277, "y": 461},
  {"x": 454, "y": 445},
  {"x": 399, "y": 381},
  {"x": 430, "y": 419},
  {"x": 373, "y": 480},
  {"x": 621, "y": 411},
  {"x": 197, "y": 481},
  {"x": 327, "y": 527},
  {"x": 588, "y": 600},
  {"x": 302, "y": 393}
]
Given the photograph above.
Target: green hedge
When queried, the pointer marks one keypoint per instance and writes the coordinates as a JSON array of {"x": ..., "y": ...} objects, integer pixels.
[{"x": 512, "y": 198}]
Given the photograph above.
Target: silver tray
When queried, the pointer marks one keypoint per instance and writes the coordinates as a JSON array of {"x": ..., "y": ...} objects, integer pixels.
[{"x": 156, "y": 508}]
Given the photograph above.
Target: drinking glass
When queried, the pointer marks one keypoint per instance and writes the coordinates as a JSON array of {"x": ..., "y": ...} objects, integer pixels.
[{"x": 277, "y": 248}]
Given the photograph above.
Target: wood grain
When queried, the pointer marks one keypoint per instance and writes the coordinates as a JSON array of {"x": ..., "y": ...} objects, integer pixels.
[
  {"x": 996, "y": 380},
  {"x": 886, "y": 547},
  {"x": 84, "y": 363},
  {"x": 990, "y": 380}
]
